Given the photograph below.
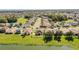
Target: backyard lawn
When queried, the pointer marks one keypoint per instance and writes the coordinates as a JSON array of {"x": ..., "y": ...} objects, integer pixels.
[{"x": 36, "y": 40}]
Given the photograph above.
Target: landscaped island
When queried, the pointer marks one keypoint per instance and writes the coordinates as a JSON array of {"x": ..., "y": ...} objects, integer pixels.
[{"x": 40, "y": 28}]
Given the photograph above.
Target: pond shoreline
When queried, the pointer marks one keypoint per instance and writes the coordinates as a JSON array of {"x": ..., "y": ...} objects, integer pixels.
[
  {"x": 33, "y": 47},
  {"x": 34, "y": 41}
]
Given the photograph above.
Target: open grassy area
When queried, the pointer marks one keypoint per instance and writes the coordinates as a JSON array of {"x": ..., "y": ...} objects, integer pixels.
[
  {"x": 69, "y": 20},
  {"x": 17, "y": 39},
  {"x": 22, "y": 20},
  {"x": 35, "y": 40}
]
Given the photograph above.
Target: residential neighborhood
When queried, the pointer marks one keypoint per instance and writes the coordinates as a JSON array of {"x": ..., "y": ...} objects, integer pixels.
[{"x": 45, "y": 26}]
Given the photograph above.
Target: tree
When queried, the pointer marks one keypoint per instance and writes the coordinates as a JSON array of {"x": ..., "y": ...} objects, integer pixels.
[
  {"x": 27, "y": 16},
  {"x": 57, "y": 36},
  {"x": 12, "y": 19},
  {"x": 69, "y": 36},
  {"x": 47, "y": 36},
  {"x": 58, "y": 17}
]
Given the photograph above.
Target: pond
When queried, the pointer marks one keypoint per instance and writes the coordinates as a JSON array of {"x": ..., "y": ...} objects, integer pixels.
[{"x": 23, "y": 47}]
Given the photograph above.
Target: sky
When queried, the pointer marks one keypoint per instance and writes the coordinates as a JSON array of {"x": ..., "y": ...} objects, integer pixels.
[{"x": 39, "y": 4}]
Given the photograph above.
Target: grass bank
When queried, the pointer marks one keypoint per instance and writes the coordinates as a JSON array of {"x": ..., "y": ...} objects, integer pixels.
[{"x": 35, "y": 40}]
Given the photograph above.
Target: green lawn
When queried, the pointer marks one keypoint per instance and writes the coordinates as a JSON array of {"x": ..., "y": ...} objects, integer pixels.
[
  {"x": 17, "y": 39},
  {"x": 69, "y": 20},
  {"x": 35, "y": 40},
  {"x": 22, "y": 20}
]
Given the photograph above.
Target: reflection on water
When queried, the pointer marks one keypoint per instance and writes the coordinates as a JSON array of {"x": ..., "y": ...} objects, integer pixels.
[{"x": 23, "y": 47}]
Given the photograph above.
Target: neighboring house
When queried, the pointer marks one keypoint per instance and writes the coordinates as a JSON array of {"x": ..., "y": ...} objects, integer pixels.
[
  {"x": 64, "y": 30},
  {"x": 9, "y": 31},
  {"x": 2, "y": 24},
  {"x": 28, "y": 30},
  {"x": 75, "y": 31}
]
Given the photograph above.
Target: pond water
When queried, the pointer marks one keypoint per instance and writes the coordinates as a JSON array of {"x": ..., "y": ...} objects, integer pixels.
[{"x": 23, "y": 47}]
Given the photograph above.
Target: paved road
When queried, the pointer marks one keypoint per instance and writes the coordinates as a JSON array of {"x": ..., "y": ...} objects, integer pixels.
[
  {"x": 29, "y": 22},
  {"x": 46, "y": 22},
  {"x": 37, "y": 23}
]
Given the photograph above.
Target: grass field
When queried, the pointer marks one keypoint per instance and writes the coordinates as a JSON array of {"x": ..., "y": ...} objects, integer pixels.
[
  {"x": 69, "y": 20},
  {"x": 35, "y": 40},
  {"x": 22, "y": 20}
]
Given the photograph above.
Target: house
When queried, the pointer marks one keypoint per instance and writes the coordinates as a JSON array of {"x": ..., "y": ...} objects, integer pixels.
[
  {"x": 67, "y": 24},
  {"x": 2, "y": 24},
  {"x": 64, "y": 30},
  {"x": 75, "y": 31},
  {"x": 74, "y": 23},
  {"x": 15, "y": 30},
  {"x": 9, "y": 31},
  {"x": 26, "y": 31}
]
